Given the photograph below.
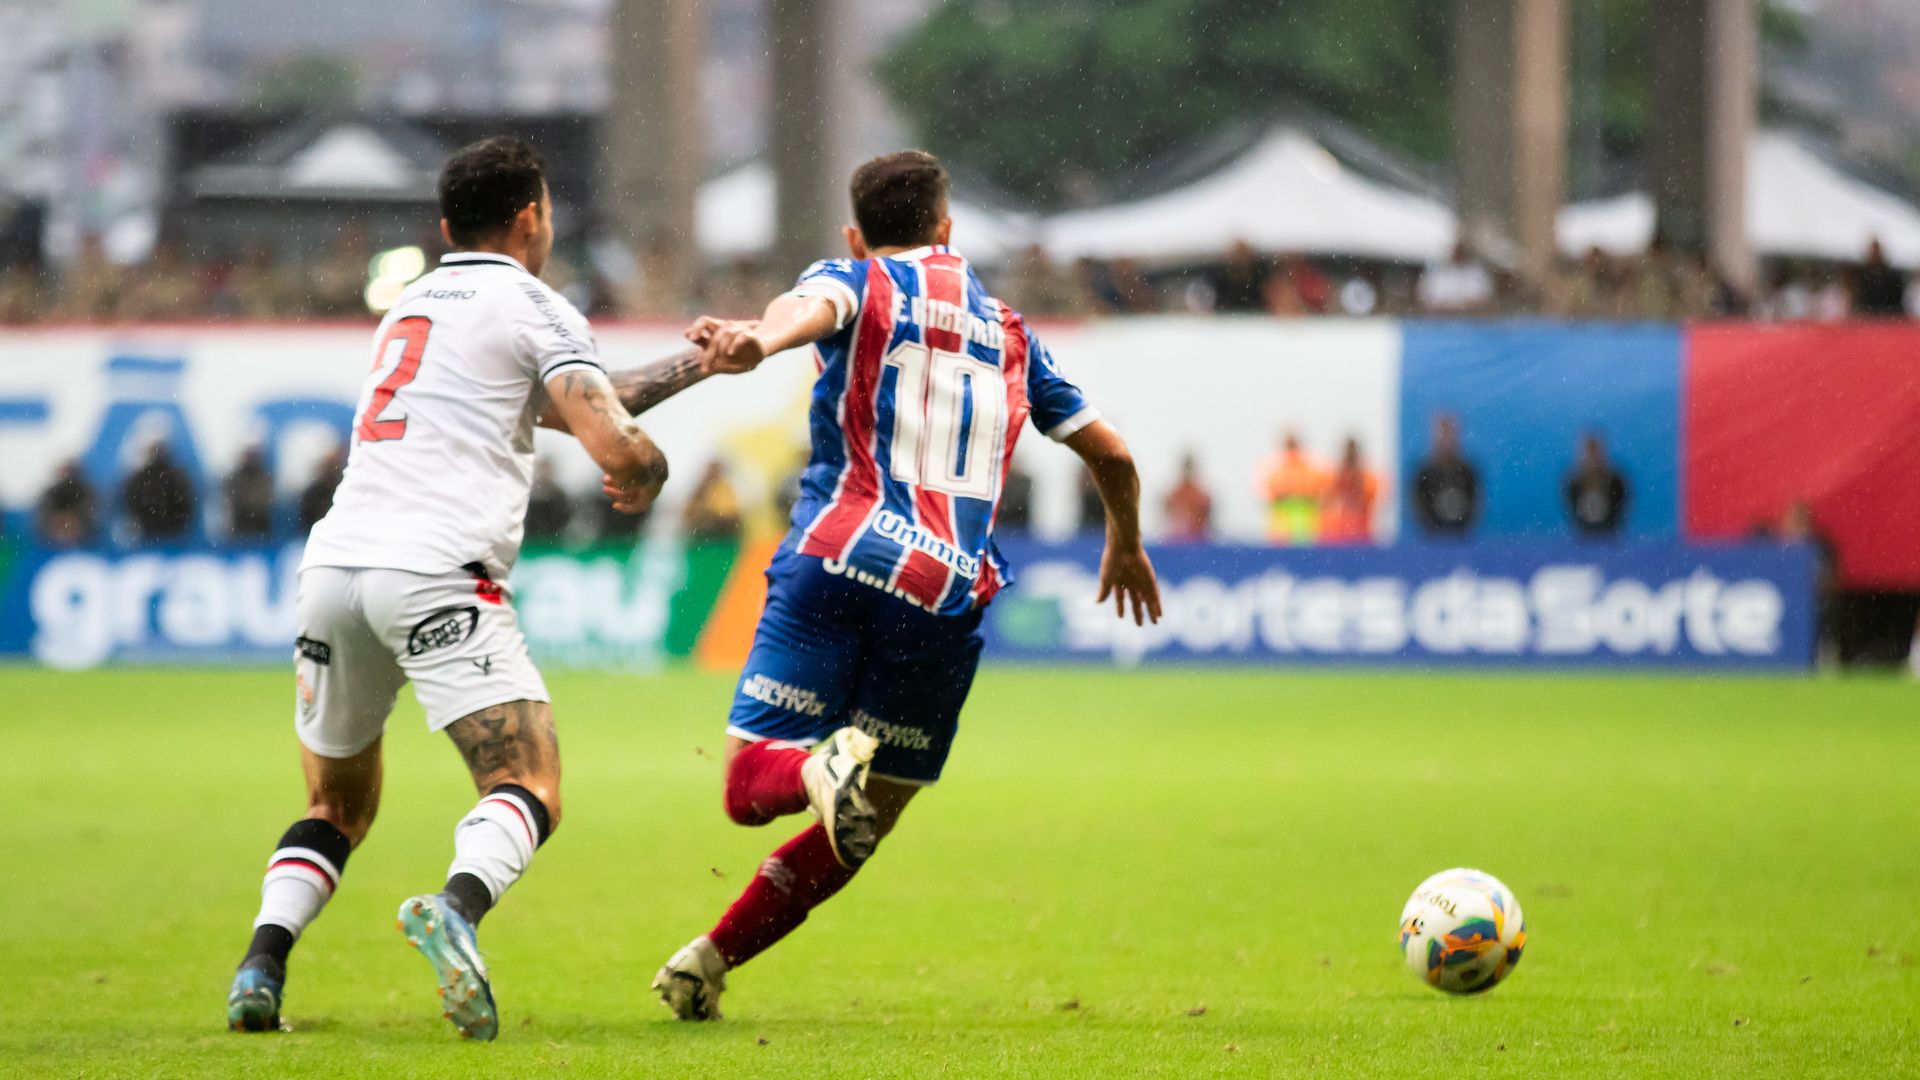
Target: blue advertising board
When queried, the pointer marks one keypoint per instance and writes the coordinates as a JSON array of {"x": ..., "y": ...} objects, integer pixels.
[
  {"x": 1735, "y": 607},
  {"x": 1524, "y": 395}
]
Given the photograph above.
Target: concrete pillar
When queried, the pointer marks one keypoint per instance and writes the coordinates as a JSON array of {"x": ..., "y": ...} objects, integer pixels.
[
  {"x": 809, "y": 164},
  {"x": 1705, "y": 98},
  {"x": 656, "y": 147},
  {"x": 1510, "y": 127}
]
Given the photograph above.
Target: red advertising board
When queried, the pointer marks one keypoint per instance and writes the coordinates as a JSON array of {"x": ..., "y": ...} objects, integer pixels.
[{"x": 1825, "y": 414}]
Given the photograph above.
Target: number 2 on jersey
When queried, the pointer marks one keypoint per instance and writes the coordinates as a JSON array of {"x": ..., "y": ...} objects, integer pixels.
[
  {"x": 413, "y": 331},
  {"x": 949, "y": 414}
]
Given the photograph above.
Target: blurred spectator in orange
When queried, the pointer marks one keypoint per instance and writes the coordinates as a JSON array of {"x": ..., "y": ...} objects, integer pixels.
[
  {"x": 317, "y": 497},
  {"x": 166, "y": 288},
  {"x": 1879, "y": 290},
  {"x": 68, "y": 515},
  {"x": 1460, "y": 284},
  {"x": 1292, "y": 481},
  {"x": 1240, "y": 286},
  {"x": 1596, "y": 492},
  {"x": 249, "y": 492},
  {"x": 1346, "y": 510},
  {"x": 1189, "y": 507},
  {"x": 1446, "y": 489},
  {"x": 549, "y": 507},
  {"x": 159, "y": 497},
  {"x": 713, "y": 510}
]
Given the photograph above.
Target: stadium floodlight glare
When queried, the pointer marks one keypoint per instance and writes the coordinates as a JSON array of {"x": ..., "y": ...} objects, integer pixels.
[
  {"x": 389, "y": 273},
  {"x": 383, "y": 292}
]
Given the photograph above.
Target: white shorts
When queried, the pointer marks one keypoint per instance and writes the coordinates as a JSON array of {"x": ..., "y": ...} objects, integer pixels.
[{"x": 365, "y": 633}]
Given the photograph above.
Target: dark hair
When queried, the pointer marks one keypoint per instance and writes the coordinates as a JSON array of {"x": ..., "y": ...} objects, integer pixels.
[
  {"x": 898, "y": 198},
  {"x": 484, "y": 185}
]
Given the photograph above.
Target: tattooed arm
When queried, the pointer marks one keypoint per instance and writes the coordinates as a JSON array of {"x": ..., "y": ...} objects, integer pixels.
[
  {"x": 641, "y": 388},
  {"x": 589, "y": 407}
]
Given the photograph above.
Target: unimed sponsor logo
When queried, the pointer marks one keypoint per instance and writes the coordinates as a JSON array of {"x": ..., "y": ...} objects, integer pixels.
[{"x": 1565, "y": 611}]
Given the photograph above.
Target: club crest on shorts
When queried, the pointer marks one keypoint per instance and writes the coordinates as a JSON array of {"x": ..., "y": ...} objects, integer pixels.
[{"x": 441, "y": 629}]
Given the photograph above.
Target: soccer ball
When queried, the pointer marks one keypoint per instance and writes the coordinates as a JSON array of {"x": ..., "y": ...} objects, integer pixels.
[{"x": 1462, "y": 931}]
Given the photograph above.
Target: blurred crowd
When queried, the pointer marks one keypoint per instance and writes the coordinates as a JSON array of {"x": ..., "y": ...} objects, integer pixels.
[
  {"x": 1658, "y": 285},
  {"x": 1305, "y": 500},
  {"x": 158, "y": 503},
  {"x": 1308, "y": 500}
]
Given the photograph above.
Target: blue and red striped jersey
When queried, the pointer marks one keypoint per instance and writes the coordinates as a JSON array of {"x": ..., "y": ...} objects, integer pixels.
[{"x": 923, "y": 390}]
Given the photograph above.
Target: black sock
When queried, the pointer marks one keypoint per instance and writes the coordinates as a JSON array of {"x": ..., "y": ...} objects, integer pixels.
[
  {"x": 268, "y": 950},
  {"x": 468, "y": 896}
]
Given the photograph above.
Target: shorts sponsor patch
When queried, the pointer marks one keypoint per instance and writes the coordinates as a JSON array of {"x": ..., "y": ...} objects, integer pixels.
[
  {"x": 781, "y": 695},
  {"x": 441, "y": 629},
  {"x": 900, "y": 735},
  {"x": 317, "y": 651}
]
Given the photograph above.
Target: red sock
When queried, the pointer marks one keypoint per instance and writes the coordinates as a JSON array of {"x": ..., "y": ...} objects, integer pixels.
[
  {"x": 763, "y": 782},
  {"x": 793, "y": 881}
]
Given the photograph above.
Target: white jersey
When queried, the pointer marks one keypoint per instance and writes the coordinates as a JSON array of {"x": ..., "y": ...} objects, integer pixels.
[{"x": 442, "y": 456}]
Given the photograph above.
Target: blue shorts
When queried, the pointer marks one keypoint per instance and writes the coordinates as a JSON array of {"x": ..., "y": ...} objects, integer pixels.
[{"x": 831, "y": 652}]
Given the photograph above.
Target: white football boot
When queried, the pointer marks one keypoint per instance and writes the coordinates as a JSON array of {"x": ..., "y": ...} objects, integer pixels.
[
  {"x": 836, "y": 781},
  {"x": 691, "y": 982}
]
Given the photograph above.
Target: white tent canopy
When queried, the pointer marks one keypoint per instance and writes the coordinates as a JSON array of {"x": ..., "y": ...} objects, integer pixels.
[
  {"x": 734, "y": 213},
  {"x": 1287, "y": 194},
  {"x": 1798, "y": 205}
]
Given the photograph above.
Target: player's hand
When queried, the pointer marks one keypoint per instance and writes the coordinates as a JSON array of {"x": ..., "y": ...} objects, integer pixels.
[
  {"x": 727, "y": 346},
  {"x": 1126, "y": 575},
  {"x": 630, "y": 498}
]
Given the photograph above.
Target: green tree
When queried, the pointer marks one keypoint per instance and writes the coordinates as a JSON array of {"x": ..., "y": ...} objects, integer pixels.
[
  {"x": 313, "y": 81},
  {"x": 1052, "y": 98}
]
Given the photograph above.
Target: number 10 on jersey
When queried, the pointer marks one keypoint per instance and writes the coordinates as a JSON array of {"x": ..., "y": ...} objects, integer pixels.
[{"x": 949, "y": 416}]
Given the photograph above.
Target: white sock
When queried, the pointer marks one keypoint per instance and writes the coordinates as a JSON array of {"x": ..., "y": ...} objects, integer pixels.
[
  {"x": 496, "y": 840},
  {"x": 301, "y": 876}
]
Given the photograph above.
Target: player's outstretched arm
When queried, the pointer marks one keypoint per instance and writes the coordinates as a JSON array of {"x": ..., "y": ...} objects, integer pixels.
[
  {"x": 641, "y": 388},
  {"x": 791, "y": 320},
  {"x": 587, "y": 403},
  {"x": 1126, "y": 574}
]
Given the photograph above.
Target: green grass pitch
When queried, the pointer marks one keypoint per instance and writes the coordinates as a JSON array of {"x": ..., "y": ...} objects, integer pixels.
[{"x": 1124, "y": 874}]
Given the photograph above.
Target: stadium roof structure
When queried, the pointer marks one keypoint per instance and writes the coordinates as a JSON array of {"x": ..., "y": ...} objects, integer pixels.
[
  {"x": 1287, "y": 193},
  {"x": 348, "y": 160},
  {"x": 734, "y": 213},
  {"x": 1799, "y": 205}
]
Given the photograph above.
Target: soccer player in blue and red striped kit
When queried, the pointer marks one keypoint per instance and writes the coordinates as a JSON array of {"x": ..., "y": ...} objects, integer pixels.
[{"x": 867, "y": 647}]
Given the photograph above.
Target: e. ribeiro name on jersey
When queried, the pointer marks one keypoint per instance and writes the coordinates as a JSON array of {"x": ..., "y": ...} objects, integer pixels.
[
  {"x": 923, "y": 389},
  {"x": 442, "y": 457}
]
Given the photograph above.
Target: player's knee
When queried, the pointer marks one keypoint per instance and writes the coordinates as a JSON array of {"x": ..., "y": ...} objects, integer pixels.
[
  {"x": 736, "y": 793},
  {"x": 547, "y": 794}
]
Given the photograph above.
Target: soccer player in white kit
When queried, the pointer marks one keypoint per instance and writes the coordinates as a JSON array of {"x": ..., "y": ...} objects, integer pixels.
[{"x": 404, "y": 580}]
